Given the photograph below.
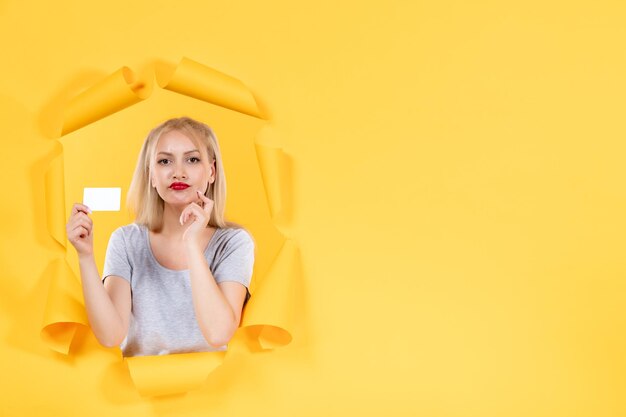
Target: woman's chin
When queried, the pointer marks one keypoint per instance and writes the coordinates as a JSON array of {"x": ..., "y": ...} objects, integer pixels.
[{"x": 178, "y": 203}]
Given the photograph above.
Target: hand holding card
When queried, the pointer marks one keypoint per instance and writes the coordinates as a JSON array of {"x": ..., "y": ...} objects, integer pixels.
[{"x": 79, "y": 230}]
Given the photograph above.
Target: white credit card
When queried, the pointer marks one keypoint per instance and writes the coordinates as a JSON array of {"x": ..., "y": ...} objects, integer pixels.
[{"x": 102, "y": 199}]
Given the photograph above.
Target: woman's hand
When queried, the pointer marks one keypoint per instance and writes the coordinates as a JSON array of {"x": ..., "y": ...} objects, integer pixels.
[
  {"x": 79, "y": 229},
  {"x": 199, "y": 213}
]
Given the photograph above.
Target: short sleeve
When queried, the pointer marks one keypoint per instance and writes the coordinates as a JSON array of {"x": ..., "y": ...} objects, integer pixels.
[
  {"x": 237, "y": 260},
  {"x": 116, "y": 260}
]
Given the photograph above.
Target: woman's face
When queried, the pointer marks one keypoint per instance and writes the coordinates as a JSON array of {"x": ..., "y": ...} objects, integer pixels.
[{"x": 180, "y": 168}]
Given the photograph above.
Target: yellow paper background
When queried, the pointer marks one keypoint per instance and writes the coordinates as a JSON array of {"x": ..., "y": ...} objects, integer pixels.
[
  {"x": 103, "y": 129},
  {"x": 457, "y": 191}
]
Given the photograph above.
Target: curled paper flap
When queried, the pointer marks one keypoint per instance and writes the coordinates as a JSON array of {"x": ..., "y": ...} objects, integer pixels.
[
  {"x": 112, "y": 94},
  {"x": 272, "y": 307},
  {"x": 55, "y": 201},
  {"x": 65, "y": 308},
  {"x": 204, "y": 83},
  {"x": 172, "y": 374},
  {"x": 269, "y": 312},
  {"x": 274, "y": 170}
]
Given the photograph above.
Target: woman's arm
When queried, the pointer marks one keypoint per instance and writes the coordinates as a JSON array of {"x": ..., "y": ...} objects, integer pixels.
[
  {"x": 108, "y": 306},
  {"x": 102, "y": 304},
  {"x": 217, "y": 307}
]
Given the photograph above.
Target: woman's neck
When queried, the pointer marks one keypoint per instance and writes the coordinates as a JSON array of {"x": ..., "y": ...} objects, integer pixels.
[{"x": 171, "y": 222}]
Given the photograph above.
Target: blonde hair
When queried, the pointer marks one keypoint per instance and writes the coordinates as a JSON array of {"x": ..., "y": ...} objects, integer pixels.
[{"x": 147, "y": 204}]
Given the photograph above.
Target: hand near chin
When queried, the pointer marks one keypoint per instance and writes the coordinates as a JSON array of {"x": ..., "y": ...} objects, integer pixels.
[{"x": 197, "y": 215}]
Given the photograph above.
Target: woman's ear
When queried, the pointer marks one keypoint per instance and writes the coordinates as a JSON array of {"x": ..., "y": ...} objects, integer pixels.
[{"x": 212, "y": 172}]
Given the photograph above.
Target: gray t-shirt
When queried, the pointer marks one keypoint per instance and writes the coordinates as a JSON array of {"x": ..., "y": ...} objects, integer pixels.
[{"x": 163, "y": 319}]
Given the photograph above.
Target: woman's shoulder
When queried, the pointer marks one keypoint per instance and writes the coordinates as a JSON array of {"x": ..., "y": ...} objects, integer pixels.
[
  {"x": 130, "y": 231},
  {"x": 234, "y": 235}
]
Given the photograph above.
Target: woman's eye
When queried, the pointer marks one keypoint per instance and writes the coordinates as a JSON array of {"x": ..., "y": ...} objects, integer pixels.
[{"x": 193, "y": 159}]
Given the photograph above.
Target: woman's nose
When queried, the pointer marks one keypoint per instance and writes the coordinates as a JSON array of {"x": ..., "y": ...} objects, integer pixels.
[{"x": 179, "y": 171}]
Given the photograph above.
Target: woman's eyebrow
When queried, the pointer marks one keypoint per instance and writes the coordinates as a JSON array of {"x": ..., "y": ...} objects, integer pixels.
[{"x": 167, "y": 153}]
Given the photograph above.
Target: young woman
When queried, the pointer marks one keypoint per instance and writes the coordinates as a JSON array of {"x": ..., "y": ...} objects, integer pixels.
[{"x": 177, "y": 278}]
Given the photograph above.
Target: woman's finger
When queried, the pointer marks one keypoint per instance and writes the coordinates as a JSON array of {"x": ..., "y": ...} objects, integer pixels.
[
  {"x": 208, "y": 203},
  {"x": 199, "y": 212},
  {"x": 79, "y": 215},
  {"x": 86, "y": 225},
  {"x": 78, "y": 207},
  {"x": 196, "y": 209},
  {"x": 82, "y": 227},
  {"x": 184, "y": 215},
  {"x": 78, "y": 232},
  {"x": 199, "y": 201},
  {"x": 193, "y": 210},
  {"x": 204, "y": 198},
  {"x": 82, "y": 215},
  {"x": 80, "y": 221},
  {"x": 72, "y": 222},
  {"x": 83, "y": 232}
]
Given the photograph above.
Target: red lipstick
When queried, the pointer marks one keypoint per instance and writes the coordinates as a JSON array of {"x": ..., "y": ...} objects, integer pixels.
[{"x": 179, "y": 186}]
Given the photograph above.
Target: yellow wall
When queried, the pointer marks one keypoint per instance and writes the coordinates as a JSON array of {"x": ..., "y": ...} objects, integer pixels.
[{"x": 458, "y": 195}]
